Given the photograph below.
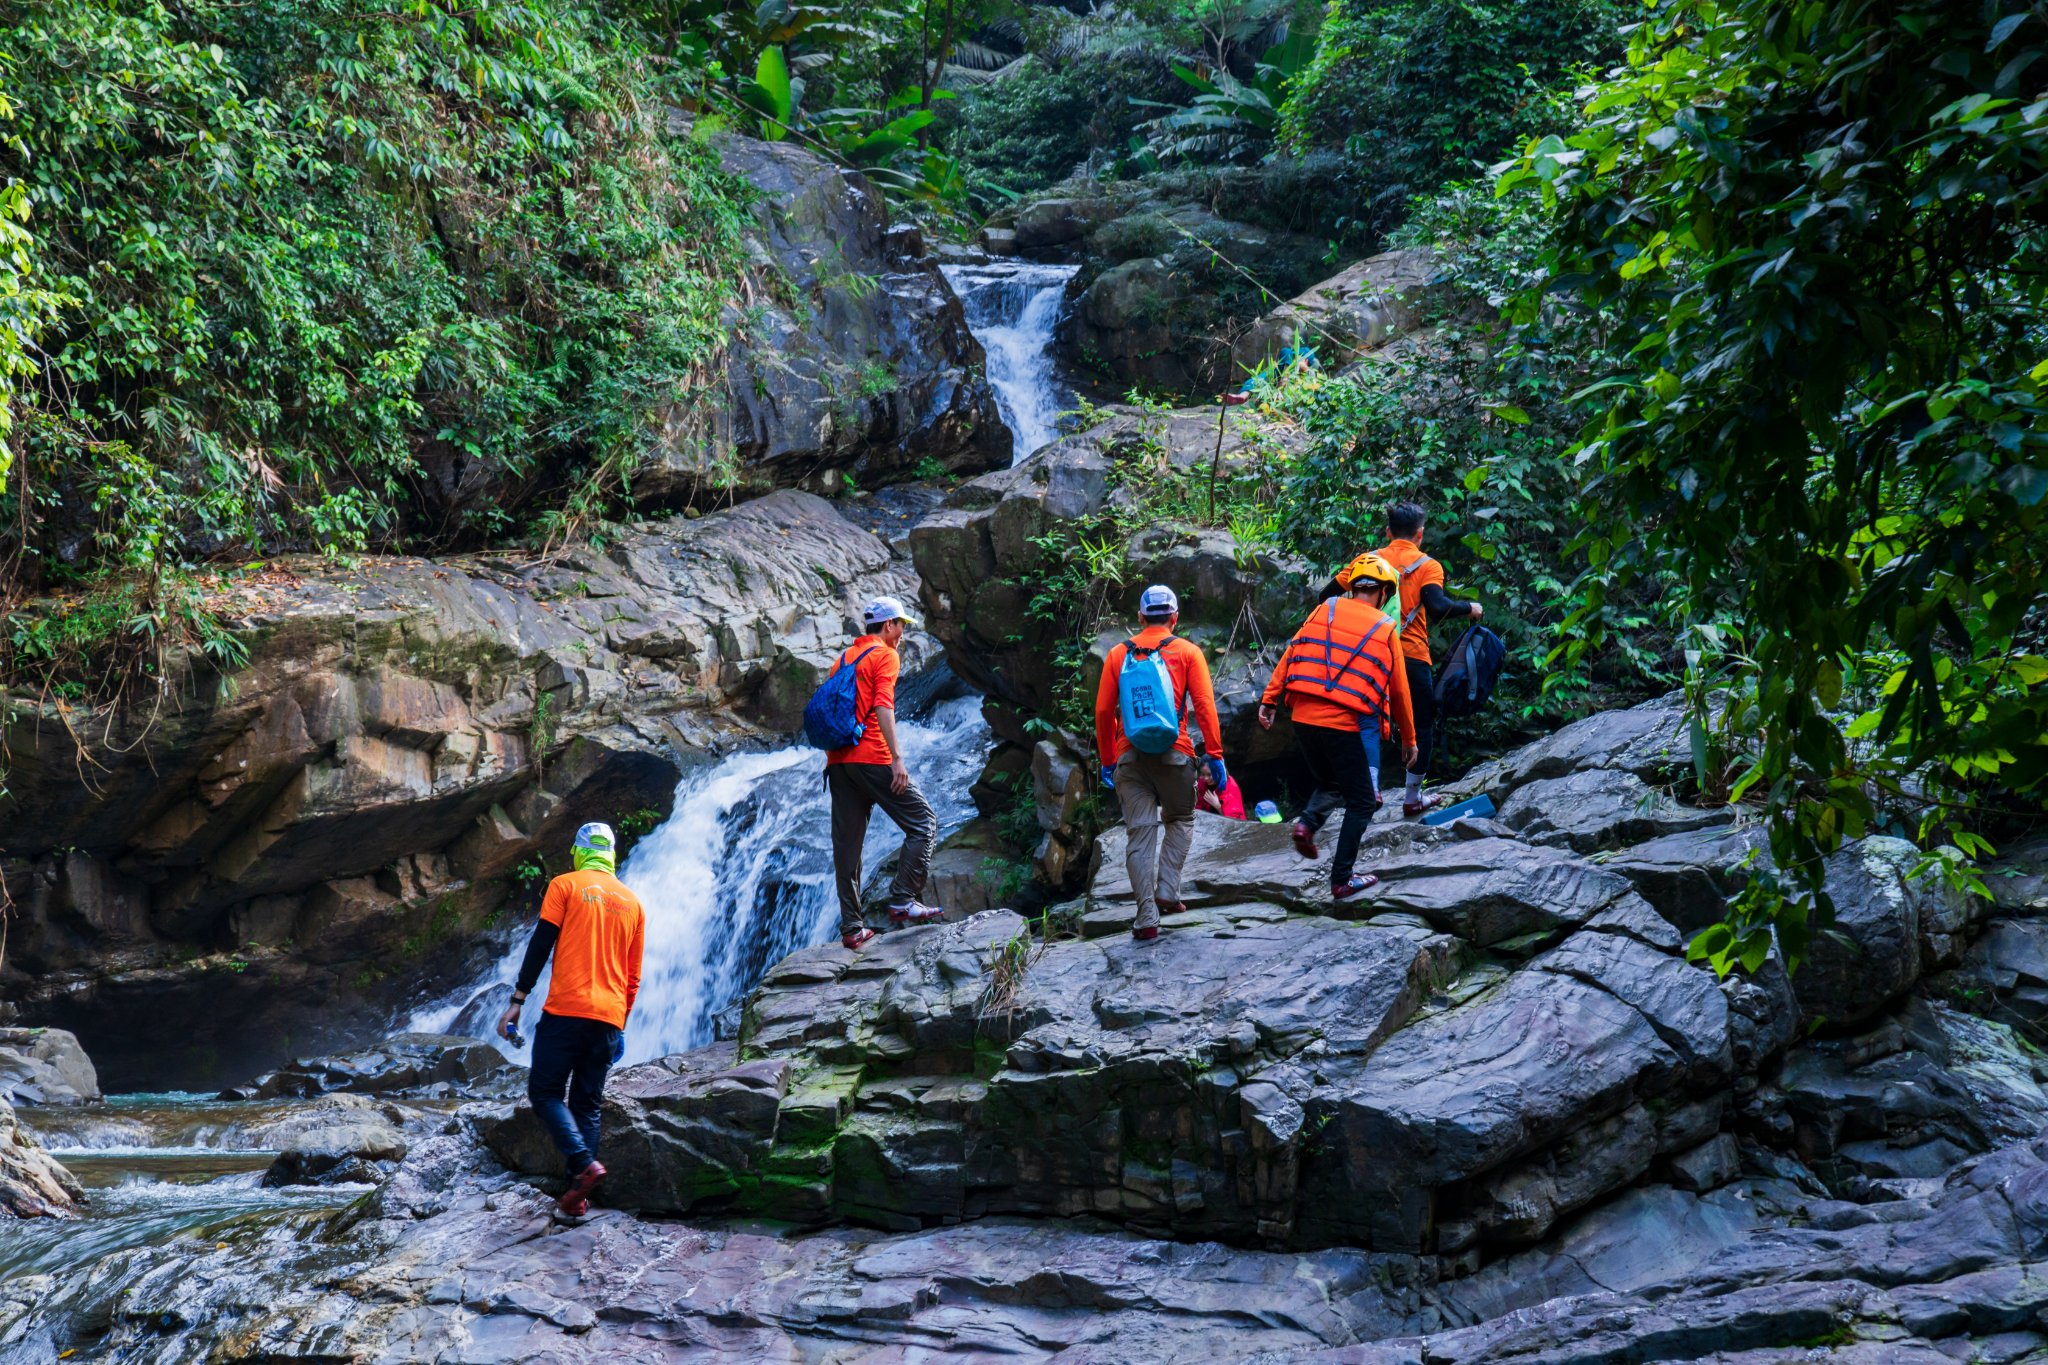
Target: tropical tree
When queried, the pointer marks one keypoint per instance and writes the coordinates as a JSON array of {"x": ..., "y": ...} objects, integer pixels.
[{"x": 1820, "y": 232}]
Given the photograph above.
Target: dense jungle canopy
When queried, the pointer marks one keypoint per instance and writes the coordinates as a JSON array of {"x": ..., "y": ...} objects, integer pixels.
[{"x": 1745, "y": 371}]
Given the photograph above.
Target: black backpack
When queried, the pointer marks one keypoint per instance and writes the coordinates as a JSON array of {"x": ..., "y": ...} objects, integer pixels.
[{"x": 1470, "y": 670}]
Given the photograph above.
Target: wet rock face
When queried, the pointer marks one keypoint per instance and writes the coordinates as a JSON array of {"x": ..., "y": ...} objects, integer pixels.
[
  {"x": 453, "y": 1260},
  {"x": 32, "y": 1182},
  {"x": 284, "y": 853},
  {"x": 345, "y": 1140},
  {"x": 853, "y": 354},
  {"x": 429, "y": 1064},
  {"x": 1499, "y": 1036}
]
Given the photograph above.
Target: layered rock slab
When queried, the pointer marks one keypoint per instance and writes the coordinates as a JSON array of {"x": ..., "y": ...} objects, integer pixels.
[{"x": 1501, "y": 1035}]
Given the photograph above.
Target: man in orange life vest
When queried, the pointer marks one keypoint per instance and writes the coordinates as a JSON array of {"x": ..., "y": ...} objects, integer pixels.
[
  {"x": 1342, "y": 673},
  {"x": 1423, "y": 600},
  {"x": 1158, "y": 790}
]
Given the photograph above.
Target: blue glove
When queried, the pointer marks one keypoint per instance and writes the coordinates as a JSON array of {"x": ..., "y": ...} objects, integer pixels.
[
  {"x": 1218, "y": 776},
  {"x": 618, "y": 1045},
  {"x": 1109, "y": 776}
]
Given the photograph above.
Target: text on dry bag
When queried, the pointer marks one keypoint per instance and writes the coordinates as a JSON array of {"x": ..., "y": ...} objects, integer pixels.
[{"x": 1144, "y": 696}]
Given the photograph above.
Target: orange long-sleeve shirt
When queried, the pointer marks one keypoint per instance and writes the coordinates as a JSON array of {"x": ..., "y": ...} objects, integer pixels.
[
  {"x": 597, "y": 957},
  {"x": 1311, "y": 705},
  {"x": 1191, "y": 686}
]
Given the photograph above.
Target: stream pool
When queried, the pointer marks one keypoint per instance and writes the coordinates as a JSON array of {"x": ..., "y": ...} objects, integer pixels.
[{"x": 158, "y": 1167}]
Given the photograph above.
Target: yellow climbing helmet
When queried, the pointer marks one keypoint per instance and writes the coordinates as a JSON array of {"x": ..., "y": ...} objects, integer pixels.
[{"x": 1370, "y": 567}]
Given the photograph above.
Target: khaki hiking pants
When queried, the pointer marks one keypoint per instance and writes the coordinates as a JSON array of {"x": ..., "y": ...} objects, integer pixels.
[{"x": 1156, "y": 790}]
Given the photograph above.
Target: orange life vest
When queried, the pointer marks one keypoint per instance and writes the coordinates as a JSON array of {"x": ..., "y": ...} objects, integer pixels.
[{"x": 1328, "y": 657}]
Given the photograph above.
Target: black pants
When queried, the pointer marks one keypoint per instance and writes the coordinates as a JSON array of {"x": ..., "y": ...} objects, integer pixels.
[
  {"x": 1422, "y": 701},
  {"x": 857, "y": 788},
  {"x": 1337, "y": 761},
  {"x": 572, "y": 1054}
]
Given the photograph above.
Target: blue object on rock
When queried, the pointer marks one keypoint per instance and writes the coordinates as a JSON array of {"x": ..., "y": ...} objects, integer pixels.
[{"x": 1479, "y": 808}]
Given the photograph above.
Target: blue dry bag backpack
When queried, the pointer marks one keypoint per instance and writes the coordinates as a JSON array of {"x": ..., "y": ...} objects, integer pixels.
[
  {"x": 1144, "y": 693},
  {"x": 1469, "y": 672},
  {"x": 832, "y": 715}
]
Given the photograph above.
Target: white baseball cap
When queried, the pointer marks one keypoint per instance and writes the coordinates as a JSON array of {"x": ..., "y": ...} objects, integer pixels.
[
  {"x": 1158, "y": 600},
  {"x": 887, "y": 609}
]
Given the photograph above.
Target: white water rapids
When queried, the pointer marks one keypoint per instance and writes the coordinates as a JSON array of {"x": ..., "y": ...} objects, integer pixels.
[
  {"x": 1012, "y": 307},
  {"x": 737, "y": 878}
]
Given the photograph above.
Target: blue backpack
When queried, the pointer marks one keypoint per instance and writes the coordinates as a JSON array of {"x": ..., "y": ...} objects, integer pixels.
[
  {"x": 1144, "y": 694},
  {"x": 1470, "y": 670},
  {"x": 832, "y": 715}
]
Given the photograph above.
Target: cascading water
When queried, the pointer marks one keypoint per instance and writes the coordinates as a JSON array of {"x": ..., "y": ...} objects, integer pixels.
[
  {"x": 1012, "y": 307},
  {"x": 740, "y": 876}
]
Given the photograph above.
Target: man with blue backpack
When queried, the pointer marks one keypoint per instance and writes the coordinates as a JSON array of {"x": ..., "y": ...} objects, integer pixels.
[
  {"x": 1149, "y": 684},
  {"x": 852, "y": 717}
]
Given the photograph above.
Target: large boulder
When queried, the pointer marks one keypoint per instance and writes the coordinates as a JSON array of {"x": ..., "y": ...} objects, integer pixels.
[
  {"x": 1911, "y": 1098},
  {"x": 291, "y": 852},
  {"x": 1889, "y": 920},
  {"x": 852, "y": 354},
  {"x": 1163, "y": 288},
  {"x": 1648, "y": 741},
  {"x": 32, "y": 1182},
  {"x": 345, "y": 1140},
  {"x": 1362, "y": 308},
  {"x": 1598, "y": 809},
  {"x": 1689, "y": 877},
  {"x": 998, "y": 532},
  {"x": 45, "y": 1066}
]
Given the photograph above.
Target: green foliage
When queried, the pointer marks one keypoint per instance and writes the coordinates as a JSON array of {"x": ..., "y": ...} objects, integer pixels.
[
  {"x": 122, "y": 641},
  {"x": 1415, "y": 93},
  {"x": 340, "y": 276},
  {"x": 1048, "y": 119},
  {"x": 1229, "y": 119},
  {"x": 1816, "y": 230},
  {"x": 1472, "y": 422}
]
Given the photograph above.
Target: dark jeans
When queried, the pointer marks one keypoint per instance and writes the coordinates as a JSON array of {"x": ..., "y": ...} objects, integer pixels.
[
  {"x": 573, "y": 1055},
  {"x": 1422, "y": 701},
  {"x": 857, "y": 788},
  {"x": 1336, "y": 759}
]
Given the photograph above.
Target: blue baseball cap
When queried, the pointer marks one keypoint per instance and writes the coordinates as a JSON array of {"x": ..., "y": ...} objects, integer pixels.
[
  {"x": 1267, "y": 812},
  {"x": 1158, "y": 600},
  {"x": 596, "y": 837}
]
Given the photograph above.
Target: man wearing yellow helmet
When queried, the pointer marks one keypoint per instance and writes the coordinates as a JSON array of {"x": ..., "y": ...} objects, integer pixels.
[{"x": 1341, "y": 675}]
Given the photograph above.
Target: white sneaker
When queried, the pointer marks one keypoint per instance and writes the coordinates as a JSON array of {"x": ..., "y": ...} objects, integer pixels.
[{"x": 910, "y": 912}]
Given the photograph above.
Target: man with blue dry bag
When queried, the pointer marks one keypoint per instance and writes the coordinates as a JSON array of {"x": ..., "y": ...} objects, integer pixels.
[{"x": 1148, "y": 685}]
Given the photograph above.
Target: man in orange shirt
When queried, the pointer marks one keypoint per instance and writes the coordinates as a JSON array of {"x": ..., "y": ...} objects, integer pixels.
[
  {"x": 871, "y": 773},
  {"x": 1158, "y": 790},
  {"x": 596, "y": 930},
  {"x": 1423, "y": 599},
  {"x": 1342, "y": 677}
]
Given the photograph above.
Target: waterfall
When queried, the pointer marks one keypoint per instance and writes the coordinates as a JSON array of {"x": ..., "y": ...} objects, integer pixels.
[
  {"x": 1011, "y": 309},
  {"x": 738, "y": 877}
]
